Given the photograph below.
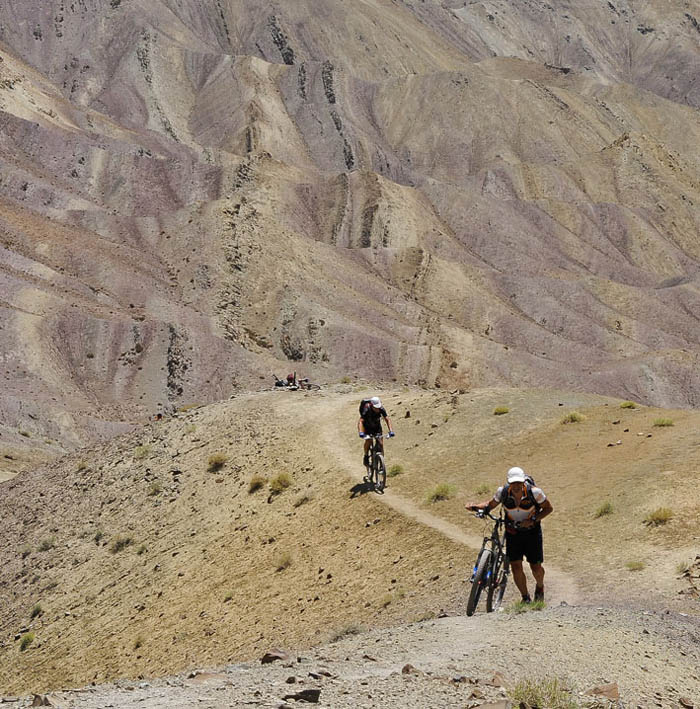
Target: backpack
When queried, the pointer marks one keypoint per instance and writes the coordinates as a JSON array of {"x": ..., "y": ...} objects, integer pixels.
[
  {"x": 363, "y": 405},
  {"x": 529, "y": 484}
]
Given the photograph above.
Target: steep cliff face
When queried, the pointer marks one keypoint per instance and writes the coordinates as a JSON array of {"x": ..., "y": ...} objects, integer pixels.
[{"x": 195, "y": 196}]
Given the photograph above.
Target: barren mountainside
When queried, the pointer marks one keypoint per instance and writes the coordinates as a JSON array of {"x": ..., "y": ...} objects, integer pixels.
[{"x": 195, "y": 195}]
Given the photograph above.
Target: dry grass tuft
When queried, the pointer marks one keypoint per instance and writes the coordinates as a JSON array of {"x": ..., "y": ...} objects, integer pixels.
[
  {"x": 483, "y": 489},
  {"x": 659, "y": 516},
  {"x": 628, "y": 405},
  {"x": 440, "y": 492},
  {"x": 26, "y": 640},
  {"x": 635, "y": 565},
  {"x": 573, "y": 417},
  {"x": 280, "y": 483},
  {"x": 552, "y": 693},
  {"x": 524, "y": 607},
  {"x": 283, "y": 561},
  {"x": 216, "y": 461},
  {"x": 605, "y": 509},
  {"x": 256, "y": 483},
  {"x": 394, "y": 470},
  {"x": 140, "y": 452},
  {"x": 120, "y": 542},
  {"x": 155, "y": 488},
  {"x": 500, "y": 410},
  {"x": 304, "y": 498},
  {"x": 662, "y": 423}
]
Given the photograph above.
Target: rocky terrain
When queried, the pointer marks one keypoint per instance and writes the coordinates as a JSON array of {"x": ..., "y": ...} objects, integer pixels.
[
  {"x": 144, "y": 558},
  {"x": 444, "y": 193}
]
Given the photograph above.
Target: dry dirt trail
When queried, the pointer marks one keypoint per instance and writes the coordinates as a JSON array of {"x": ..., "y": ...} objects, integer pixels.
[{"x": 560, "y": 585}]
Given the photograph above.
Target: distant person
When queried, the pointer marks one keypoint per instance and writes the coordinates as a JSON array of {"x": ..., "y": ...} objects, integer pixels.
[
  {"x": 525, "y": 505},
  {"x": 370, "y": 423}
]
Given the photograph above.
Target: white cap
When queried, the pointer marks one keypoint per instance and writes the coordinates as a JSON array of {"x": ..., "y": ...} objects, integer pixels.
[
  {"x": 516, "y": 475},
  {"x": 376, "y": 402}
]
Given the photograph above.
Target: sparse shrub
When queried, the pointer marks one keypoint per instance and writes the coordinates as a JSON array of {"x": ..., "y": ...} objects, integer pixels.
[
  {"x": 635, "y": 565},
  {"x": 347, "y": 631},
  {"x": 573, "y": 417},
  {"x": 26, "y": 434},
  {"x": 98, "y": 536},
  {"x": 82, "y": 465},
  {"x": 256, "y": 482},
  {"x": 142, "y": 550},
  {"x": 663, "y": 422},
  {"x": 26, "y": 640},
  {"x": 659, "y": 516},
  {"x": 283, "y": 561},
  {"x": 304, "y": 498},
  {"x": 90, "y": 355},
  {"x": 279, "y": 483},
  {"x": 395, "y": 470},
  {"x": 524, "y": 607},
  {"x": 345, "y": 380},
  {"x": 120, "y": 542},
  {"x": 36, "y": 611},
  {"x": 47, "y": 544},
  {"x": 188, "y": 407},
  {"x": 500, "y": 410},
  {"x": 138, "y": 642},
  {"x": 428, "y": 615},
  {"x": 483, "y": 489},
  {"x": 228, "y": 598},
  {"x": 440, "y": 492},
  {"x": 628, "y": 405},
  {"x": 155, "y": 488},
  {"x": 216, "y": 461},
  {"x": 682, "y": 568},
  {"x": 140, "y": 452},
  {"x": 605, "y": 509},
  {"x": 25, "y": 551},
  {"x": 551, "y": 693},
  {"x": 387, "y": 598}
]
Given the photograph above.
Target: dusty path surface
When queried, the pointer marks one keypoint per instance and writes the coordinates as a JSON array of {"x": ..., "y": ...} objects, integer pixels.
[
  {"x": 560, "y": 585},
  {"x": 653, "y": 659}
]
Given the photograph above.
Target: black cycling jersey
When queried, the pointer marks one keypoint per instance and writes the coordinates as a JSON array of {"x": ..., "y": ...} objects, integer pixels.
[{"x": 372, "y": 418}]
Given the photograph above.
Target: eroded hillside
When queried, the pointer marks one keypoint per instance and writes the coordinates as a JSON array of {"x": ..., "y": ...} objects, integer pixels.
[
  {"x": 475, "y": 194},
  {"x": 142, "y": 558}
]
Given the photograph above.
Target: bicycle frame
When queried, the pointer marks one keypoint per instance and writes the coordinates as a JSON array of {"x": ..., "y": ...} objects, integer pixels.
[{"x": 490, "y": 571}]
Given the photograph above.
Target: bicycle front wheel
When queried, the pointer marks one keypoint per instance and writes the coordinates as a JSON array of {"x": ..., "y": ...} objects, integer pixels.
[
  {"x": 497, "y": 584},
  {"x": 480, "y": 581},
  {"x": 379, "y": 472}
]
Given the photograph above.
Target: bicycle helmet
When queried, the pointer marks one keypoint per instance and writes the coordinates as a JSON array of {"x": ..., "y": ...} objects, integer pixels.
[{"x": 376, "y": 402}]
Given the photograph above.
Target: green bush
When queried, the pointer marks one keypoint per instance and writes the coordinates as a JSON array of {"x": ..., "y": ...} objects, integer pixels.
[
  {"x": 605, "y": 509},
  {"x": 26, "y": 640},
  {"x": 524, "y": 607},
  {"x": 483, "y": 489},
  {"x": 635, "y": 565},
  {"x": 573, "y": 417},
  {"x": 500, "y": 410},
  {"x": 628, "y": 405},
  {"x": 663, "y": 422},
  {"x": 47, "y": 544},
  {"x": 36, "y": 611},
  {"x": 141, "y": 452},
  {"x": 155, "y": 488},
  {"x": 440, "y": 492}
]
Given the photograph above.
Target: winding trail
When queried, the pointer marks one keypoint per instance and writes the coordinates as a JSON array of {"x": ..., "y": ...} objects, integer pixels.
[{"x": 560, "y": 586}]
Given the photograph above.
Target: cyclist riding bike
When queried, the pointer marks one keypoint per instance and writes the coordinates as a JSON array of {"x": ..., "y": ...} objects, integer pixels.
[
  {"x": 370, "y": 424},
  {"x": 525, "y": 505}
]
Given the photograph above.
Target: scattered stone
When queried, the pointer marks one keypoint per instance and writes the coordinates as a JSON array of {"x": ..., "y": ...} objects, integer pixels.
[
  {"x": 498, "y": 680},
  {"x": 616, "y": 422},
  {"x": 291, "y": 679},
  {"x": 609, "y": 691},
  {"x": 684, "y": 702},
  {"x": 274, "y": 656},
  {"x": 407, "y": 415},
  {"x": 306, "y": 695},
  {"x": 503, "y": 704},
  {"x": 369, "y": 657},
  {"x": 409, "y": 670},
  {"x": 41, "y": 700}
]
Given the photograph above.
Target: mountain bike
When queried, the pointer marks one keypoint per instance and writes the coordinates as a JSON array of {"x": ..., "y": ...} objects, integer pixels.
[
  {"x": 376, "y": 468},
  {"x": 492, "y": 567},
  {"x": 306, "y": 384}
]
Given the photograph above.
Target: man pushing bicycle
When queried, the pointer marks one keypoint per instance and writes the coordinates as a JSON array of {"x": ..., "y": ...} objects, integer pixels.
[{"x": 525, "y": 506}]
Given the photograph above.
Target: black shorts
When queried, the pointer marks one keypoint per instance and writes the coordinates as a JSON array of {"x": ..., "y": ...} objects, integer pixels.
[{"x": 525, "y": 542}]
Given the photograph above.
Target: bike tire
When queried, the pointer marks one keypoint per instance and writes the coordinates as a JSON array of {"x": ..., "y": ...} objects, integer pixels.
[
  {"x": 479, "y": 582},
  {"x": 379, "y": 472},
  {"x": 313, "y": 387},
  {"x": 497, "y": 584}
]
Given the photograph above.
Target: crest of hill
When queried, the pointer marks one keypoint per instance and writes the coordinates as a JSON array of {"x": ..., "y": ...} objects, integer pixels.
[{"x": 155, "y": 552}]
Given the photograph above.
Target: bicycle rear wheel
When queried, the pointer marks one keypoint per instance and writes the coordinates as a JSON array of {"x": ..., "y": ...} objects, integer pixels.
[
  {"x": 480, "y": 581},
  {"x": 497, "y": 583},
  {"x": 379, "y": 472}
]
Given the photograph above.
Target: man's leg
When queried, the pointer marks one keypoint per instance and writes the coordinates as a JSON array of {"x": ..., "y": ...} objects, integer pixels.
[
  {"x": 538, "y": 573},
  {"x": 365, "y": 460},
  {"x": 519, "y": 577}
]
